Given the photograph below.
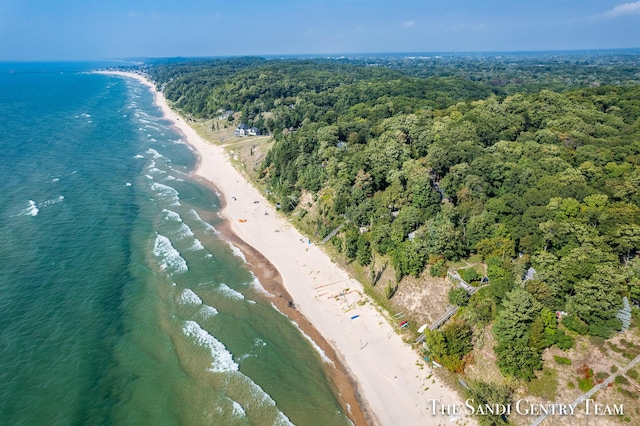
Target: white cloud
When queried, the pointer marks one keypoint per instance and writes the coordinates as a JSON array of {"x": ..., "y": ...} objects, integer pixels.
[
  {"x": 624, "y": 9},
  {"x": 409, "y": 24}
]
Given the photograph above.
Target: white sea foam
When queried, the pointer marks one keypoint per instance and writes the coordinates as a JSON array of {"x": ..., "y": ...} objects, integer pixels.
[
  {"x": 238, "y": 411},
  {"x": 222, "y": 358},
  {"x": 207, "y": 226},
  {"x": 169, "y": 257},
  {"x": 185, "y": 231},
  {"x": 257, "y": 285},
  {"x": 52, "y": 201},
  {"x": 318, "y": 349},
  {"x": 154, "y": 153},
  {"x": 149, "y": 126},
  {"x": 197, "y": 245},
  {"x": 282, "y": 420},
  {"x": 208, "y": 311},
  {"x": 32, "y": 210},
  {"x": 171, "y": 215},
  {"x": 259, "y": 343},
  {"x": 169, "y": 178},
  {"x": 258, "y": 395},
  {"x": 166, "y": 191},
  {"x": 188, "y": 297},
  {"x": 128, "y": 183},
  {"x": 277, "y": 310},
  {"x": 138, "y": 156},
  {"x": 241, "y": 358},
  {"x": 236, "y": 252},
  {"x": 263, "y": 399},
  {"x": 55, "y": 180},
  {"x": 230, "y": 293}
]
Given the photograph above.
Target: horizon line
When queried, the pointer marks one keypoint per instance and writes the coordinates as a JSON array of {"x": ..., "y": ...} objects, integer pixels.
[{"x": 340, "y": 55}]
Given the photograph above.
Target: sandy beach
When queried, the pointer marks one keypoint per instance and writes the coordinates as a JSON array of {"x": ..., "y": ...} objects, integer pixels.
[{"x": 388, "y": 379}]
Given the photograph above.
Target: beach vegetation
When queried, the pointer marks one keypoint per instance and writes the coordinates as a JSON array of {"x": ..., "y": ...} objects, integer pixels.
[
  {"x": 545, "y": 385},
  {"x": 489, "y": 394},
  {"x": 458, "y": 296},
  {"x": 450, "y": 345}
]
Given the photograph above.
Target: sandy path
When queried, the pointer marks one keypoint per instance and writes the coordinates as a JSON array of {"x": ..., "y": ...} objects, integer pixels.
[{"x": 386, "y": 370}]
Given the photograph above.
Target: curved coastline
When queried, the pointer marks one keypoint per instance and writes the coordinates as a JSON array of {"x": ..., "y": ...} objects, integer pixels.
[{"x": 379, "y": 377}]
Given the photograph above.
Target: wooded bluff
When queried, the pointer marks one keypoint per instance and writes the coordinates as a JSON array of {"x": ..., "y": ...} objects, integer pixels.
[{"x": 530, "y": 162}]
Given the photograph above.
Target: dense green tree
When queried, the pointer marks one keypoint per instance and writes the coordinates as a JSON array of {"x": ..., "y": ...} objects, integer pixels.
[
  {"x": 519, "y": 311},
  {"x": 632, "y": 270},
  {"x": 351, "y": 238},
  {"x": 518, "y": 360},
  {"x": 450, "y": 345},
  {"x": 363, "y": 252},
  {"x": 598, "y": 299},
  {"x": 458, "y": 296}
]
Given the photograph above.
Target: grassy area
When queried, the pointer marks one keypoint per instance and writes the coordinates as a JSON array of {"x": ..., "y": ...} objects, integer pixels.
[{"x": 545, "y": 386}]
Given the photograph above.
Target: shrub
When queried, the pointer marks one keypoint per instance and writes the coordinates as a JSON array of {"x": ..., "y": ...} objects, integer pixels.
[
  {"x": 438, "y": 269},
  {"x": 600, "y": 376},
  {"x": 627, "y": 393},
  {"x": 573, "y": 323},
  {"x": 615, "y": 348},
  {"x": 613, "y": 368},
  {"x": 389, "y": 291},
  {"x": 563, "y": 341},
  {"x": 585, "y": 384},
  {"x": 621, "y": 380},
  {"x": 469, "y": 275},
  {"x": 562, "y": 360},
  {"x": 489, "y": 393},
  {"x": 544, "y": 386},
  {"x": 458, "y": 296},
  {"x": 633, "y": 374}
]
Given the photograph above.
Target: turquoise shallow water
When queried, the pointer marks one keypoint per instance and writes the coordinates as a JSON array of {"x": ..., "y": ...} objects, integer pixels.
[{"x": 119, "y": 301}]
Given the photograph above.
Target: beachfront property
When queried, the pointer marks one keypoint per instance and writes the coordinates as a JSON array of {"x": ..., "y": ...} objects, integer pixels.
[{"x": 244, "y": 130}]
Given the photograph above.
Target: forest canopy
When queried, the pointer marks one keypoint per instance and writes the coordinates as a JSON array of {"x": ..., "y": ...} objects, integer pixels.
[{"x": 528, "y": 162}]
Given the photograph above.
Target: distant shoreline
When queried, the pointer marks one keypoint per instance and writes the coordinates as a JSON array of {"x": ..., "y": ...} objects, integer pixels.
[{"x": 382, "y": 381}]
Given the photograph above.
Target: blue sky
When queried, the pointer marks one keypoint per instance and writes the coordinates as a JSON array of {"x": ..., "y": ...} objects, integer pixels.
[{"x": 90, "y": 29}]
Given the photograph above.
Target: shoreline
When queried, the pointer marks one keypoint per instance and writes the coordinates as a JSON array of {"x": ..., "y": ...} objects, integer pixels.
[{"x": 380, "y": 379}]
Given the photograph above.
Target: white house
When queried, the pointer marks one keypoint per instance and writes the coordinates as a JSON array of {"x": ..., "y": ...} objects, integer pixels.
[{"x": 244, "y": 130}]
